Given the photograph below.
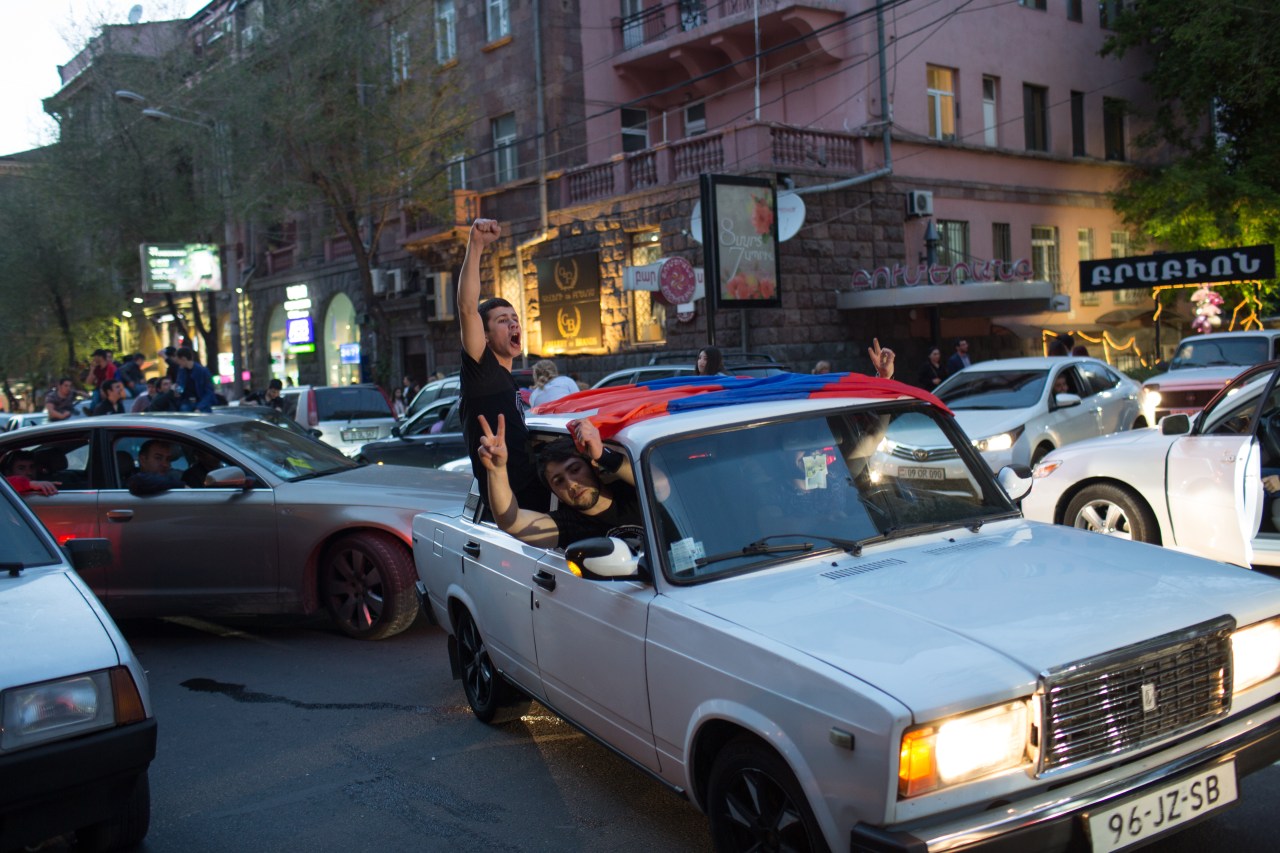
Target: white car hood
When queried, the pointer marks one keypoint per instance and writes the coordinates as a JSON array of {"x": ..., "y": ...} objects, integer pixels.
[
  {"x": 49, "y": 628},
  {"x": 959, "y": 621},
  {"x": 984, "y": 423},
  {"x": 1198, "y": 375},
  {"x": 1133, "y": 443}
]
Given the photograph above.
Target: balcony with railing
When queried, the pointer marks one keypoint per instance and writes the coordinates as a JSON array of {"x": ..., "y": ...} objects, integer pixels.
[
  {"x": 703, "y": 35},
  {"x": 744, "y": 148}
]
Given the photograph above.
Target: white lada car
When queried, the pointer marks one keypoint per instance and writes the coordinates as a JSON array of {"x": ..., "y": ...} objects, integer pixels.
[
  {"x": 820, "y": 654},
  {"x": 1194, "y": 484}
]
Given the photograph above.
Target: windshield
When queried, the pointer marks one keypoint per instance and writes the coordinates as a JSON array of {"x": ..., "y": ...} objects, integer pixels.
[
  {"x": 20, "y": 544},
  {"x": 343, "y": 404},
  {"x": 742, "y": 498},
  {"x": 283, "y": 452},
  {"x": 991, "y": 389},
  {"x": 1244, "y": 350}
]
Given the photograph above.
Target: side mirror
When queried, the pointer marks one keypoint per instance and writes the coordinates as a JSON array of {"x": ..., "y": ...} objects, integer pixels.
[
  {"x": 1179, "y": 424},
  {"x": 1065, "y": 400},
  {"x": 602, "y": 558},
  {"x": 88, "y": 555},
  {"x": 231, "y": 477},
  {"x": 1016, "y": 480}
]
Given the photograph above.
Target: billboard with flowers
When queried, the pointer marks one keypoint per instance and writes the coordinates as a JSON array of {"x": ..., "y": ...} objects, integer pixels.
[{"x": 741, "y": 215}]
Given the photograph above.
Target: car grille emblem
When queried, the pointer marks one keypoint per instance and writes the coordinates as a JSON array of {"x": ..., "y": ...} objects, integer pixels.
[
  {"x": 920, "y": 455},
  {"x": 1148, "y": 698}
]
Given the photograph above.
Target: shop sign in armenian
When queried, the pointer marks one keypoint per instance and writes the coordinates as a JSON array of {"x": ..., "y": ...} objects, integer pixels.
[
  {"x": 1210, "y": 266},
  {"x": 569, "y": 299}
]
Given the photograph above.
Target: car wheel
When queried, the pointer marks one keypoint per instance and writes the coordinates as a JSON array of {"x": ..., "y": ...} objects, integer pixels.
[
  {"x": 125, "y": 830},
  {"x": 1113, "y": 511},
  {"x": 755, "y": 803},
  {"x": 490, "y": 695},
  {"x": 366, "y": 583}
]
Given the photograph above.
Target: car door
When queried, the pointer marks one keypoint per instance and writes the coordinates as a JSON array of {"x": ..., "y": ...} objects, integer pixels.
[
  {"x": 1115, "y": 407},
  {"x": 186, "y": 550},
  {"x": 1213, "y": 480},
  {"x": 590, "y": 637}
]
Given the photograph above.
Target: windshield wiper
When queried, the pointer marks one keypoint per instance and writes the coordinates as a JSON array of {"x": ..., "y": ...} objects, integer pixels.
[{"x": 762, "y": 546}]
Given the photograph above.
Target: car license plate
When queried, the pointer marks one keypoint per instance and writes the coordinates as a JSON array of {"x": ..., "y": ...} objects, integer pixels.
[
  {"x": 1151, "y": 814},
  {"x": 907, "y": 472},
  {"x": 362, "y": 434}
]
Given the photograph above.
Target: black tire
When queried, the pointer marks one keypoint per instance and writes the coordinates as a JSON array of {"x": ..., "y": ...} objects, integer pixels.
[
  {"x": 755, "y": 803},
  {"x": 490, "y": 695},
  {"x": 125, "y": 830},
  {"x": 366, "y": 583},
  {"x": 1113, "y": 511}
]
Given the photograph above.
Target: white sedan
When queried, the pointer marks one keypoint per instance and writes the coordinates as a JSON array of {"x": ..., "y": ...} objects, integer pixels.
[
  {"x": 821, "y": 653},
  {"x": 1194, "y": 485},
  {"x": 1018, "y": 409}
]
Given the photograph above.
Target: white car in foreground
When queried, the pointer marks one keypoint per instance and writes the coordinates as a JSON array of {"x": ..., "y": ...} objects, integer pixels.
[
  {"x": 1018, "y": 409},
  {"x": 1193, "y": 485},
  {"x": 820, "y": 653}
]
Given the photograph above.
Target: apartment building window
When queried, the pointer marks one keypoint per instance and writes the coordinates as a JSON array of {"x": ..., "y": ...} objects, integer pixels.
[
  {"x": 1113, "y": 113},
  {"x": 633, "y": 18},
  {"x": 458, "y": 172},
  {"x": 953, "y": 242},
  {"x": 695, "y": 119},
  {"x": 1001, "y": 242},
  {"x": 400, "y": 69},
  {"x": 1077, "y": 125},
  {"x": 446, "y": 31},
  {"x": 1035, "y": 116},
  {"x": 1033, "y": 4},
  {"x": 635, "y": 129},
  {"x": 990, "y": 118},
  {"x": 942, "y": 102},
  {"x": 1044, "y": 255},
  {"x": 505, "y": 165},
  {"x": 693, "y": 14},
  {"x": 1120, "y": 249},
  {"x": 497, "y": 15},
  {"x": 1084, "y": 249},
  {"x": 648, "y": 314},
  {"x": 1107, "y": 12},
  {"x": 1075, "y": 10}
]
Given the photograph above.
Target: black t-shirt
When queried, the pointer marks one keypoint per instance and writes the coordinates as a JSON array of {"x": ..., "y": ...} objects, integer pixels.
[
  {"x": 489, "y": 389},
  {"x": 622, "y": 519}
]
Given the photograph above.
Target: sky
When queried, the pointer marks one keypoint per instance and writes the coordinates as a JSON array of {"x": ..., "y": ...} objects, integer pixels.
[{"x": 40, "y": 35}]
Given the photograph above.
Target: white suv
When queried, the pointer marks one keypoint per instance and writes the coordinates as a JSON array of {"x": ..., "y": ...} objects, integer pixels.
[
  {"x": 1201, "y": 366},
  {"x": 344, "y": 416}
]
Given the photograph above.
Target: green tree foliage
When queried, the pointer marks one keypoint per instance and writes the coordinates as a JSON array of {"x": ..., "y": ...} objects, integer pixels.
[{"x": 1211, "y": 174}]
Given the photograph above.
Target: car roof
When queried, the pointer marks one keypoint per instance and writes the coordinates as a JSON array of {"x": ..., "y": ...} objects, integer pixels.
[
  {"x": 1038, "y": 362},
  {"x": 1237, "y": 333},
  {"x": 187, "y": 420}
]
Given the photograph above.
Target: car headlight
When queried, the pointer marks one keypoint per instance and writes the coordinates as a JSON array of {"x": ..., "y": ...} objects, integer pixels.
[
  {"x": 1149, "y": 397},
  {"x": 963, "y": 748},
  {"x": 1255, "y": 653},
  {"x": 67, "y": 707},
  {"x": 1044, "y": 469},
  {"x": 996, "y": 443}
]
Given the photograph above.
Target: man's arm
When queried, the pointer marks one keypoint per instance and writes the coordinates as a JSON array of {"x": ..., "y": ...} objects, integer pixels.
[
  {"x": 535, "y": 528},
  {"x": 56, "y": 414},
  {"x": 483, "y": 232},
  {"x": 587, "y": 438}
]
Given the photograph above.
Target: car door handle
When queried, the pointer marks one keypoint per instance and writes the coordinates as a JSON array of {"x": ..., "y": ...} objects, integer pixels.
[
  {"x": 119, "y": 514},
  {"x": 472, "y": 549},
  {"x": 546, "y": 580}
]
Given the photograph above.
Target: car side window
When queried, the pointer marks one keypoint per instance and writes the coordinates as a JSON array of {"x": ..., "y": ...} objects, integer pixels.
[
  {"x": 188, "y": 463},
  {"x": 1098, "y": 379},
  {"x": 64, "y": 461}
]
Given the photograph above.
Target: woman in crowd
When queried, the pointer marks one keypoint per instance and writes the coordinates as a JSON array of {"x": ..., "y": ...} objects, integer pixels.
[
  {"x": 548, "y": 384},
  {"x": 710, "y": 362},
  {"x": 932, "y": 372}
]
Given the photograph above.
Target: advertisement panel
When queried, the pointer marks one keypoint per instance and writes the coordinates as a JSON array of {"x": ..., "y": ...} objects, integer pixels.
[
  {"x": 742, "y": 255},
  {"x": 180, "y": 267},
  {"x": 569, "y": 294}
]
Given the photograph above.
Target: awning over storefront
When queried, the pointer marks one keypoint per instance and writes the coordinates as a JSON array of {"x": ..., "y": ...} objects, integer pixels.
[{"x": 994, "y": 297}]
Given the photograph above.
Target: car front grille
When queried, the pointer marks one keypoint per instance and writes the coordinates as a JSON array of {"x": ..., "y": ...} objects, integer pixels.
[
  {"x": 1195, "y": 398},
  {"x": 1137, "y": 695},
  {"x": 924, "y": 454}
]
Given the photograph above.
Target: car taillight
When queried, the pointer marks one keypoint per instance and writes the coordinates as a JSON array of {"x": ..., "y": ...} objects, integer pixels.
[{"x": 313, "y": 417}]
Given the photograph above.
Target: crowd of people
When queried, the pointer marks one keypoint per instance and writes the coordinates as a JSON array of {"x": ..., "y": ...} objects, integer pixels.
[{"x": 113, "y": 387}]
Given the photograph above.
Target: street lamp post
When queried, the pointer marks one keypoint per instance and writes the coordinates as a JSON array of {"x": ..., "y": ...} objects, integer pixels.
[{"x": 222, "y": 156}]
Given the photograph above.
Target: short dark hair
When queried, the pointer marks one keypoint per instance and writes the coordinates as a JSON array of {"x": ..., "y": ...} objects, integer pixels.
[
  {"x": 488, "y": 305},
  {"x": 100, "y": 352},
  {"x": 186, "y": 352},
  {"x": 105, "y": 385},
  {"x": 960, "y": 341},
  {"x": 275, "y": 384},
  {"x": 152, "y": 442},
  {"x": 560, "y": 450},
  {"x": 168, "y": 352},
  {"x": 66, "y": 379},
  {"x": 17, "y": 456}
]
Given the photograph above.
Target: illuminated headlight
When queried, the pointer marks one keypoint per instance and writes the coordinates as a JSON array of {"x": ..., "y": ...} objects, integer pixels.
[
  {"x": 1255, "y": 653},
  {"x": 68, "y": 707},
  {"x": 1149, "y": 398},
  {"x": 963, "y": 748},
  {"x": 996, "y": 443}
]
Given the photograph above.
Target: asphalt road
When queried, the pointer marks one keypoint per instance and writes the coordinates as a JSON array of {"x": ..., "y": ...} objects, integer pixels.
[{"x": 288, "y": 736}]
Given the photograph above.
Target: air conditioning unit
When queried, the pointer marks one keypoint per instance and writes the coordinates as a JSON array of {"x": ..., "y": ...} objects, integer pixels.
[
  {"x": 379, "y": 281},
  {"x": 439, "y": 301},
  {"x": 398, "y": 281},
  {"x": 919, "y": 203}
]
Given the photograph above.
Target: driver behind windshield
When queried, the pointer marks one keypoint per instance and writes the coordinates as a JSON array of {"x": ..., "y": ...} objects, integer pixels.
[{"x": 589, "y": 507}]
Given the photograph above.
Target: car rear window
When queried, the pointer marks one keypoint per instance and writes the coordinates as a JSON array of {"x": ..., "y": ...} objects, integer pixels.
[{"x": 340, "y": 404}]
